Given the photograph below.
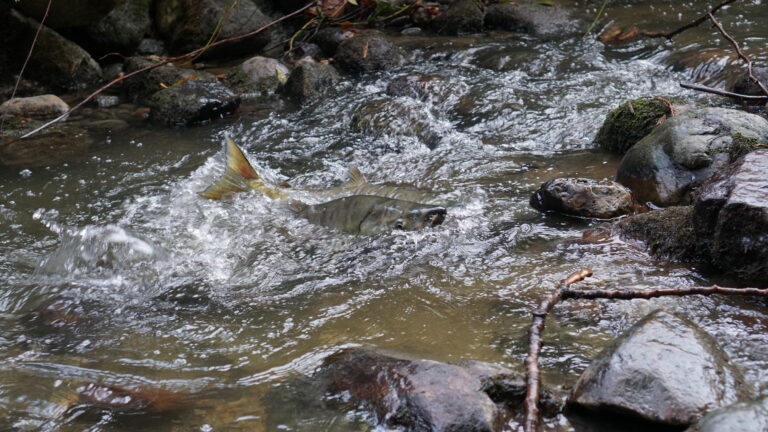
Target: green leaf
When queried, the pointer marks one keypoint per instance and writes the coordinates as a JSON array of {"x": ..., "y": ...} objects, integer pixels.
[
  {"x": 352, "y": 2},
  {"x": 546, "y": 3}
]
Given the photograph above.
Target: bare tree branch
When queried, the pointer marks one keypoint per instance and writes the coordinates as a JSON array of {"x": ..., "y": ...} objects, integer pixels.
[
  {"x": 743, "y": 56},
  {"x": 692, "y": 24},
  {"x": 719, "y": 92}
]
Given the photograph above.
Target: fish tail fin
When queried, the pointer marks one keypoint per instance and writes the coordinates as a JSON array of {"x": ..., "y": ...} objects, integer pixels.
[
  {"x": 356, "y": 178},
  {"x": 236, "y": 178}
]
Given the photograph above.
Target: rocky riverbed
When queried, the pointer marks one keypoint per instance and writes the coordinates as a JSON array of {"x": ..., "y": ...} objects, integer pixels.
[{"x": 131, "y": 303}]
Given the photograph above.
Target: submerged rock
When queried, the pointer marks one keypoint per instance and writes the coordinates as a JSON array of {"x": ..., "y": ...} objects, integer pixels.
[
  {"x": 43, "y": 106},
  {"x": 584, "y": 197},
  {"x": 394, "y": 117},
  {"x": 367, "y": 52},
  {"x": 258, "y": 75},
  {"x": 329, "y": 38},
  {"x": 188, "y": 24},
  {"x": 55, "y": 61},
  {"x": 132, "y": 400},
  {"x": 731, "y": 219},
  {"x": 630, "y": 122},
  {"x": 740, "y": 417},
  {"x": 664, "y": 369},
  {"x": 684, "y": 151},
  {"x": 62, "y": 142},
  {"x": 532, "y": 17},
  {"x": 463, "y": 16},
  {"x": 193, "y": 101},
  {"x": 309, "y": 79},
  {"x": 667, "y": 233}
]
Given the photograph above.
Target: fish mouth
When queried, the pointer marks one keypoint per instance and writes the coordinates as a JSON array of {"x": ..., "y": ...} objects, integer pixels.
[{"x": 434, "y": 217}]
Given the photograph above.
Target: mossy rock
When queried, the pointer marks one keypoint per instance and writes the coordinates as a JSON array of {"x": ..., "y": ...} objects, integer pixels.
[
  {"x": 629, "y": 123},
  {"x": 668, "y": 233}
]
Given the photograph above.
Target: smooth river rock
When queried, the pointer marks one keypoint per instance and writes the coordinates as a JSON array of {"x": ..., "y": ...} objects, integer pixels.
[
  {"x": 463, "y": 16},
  {"x": 310, "y": 79},
  {"x": 258, "y": 75},
  {"x": 367, "y": 52},
  {"x": 418, "y": 395},
  {"x": 740, "y": 417},
  {"x": 731, "y": 219},
  {"x": 43, "y": 106},
  {"x": 667, "y": 233},
  {"x": 583, "y": 197},
  {"x": 677, "y": 156},
  {"x": 533, "y": 17},
  {"x": 664, "y": 369}
]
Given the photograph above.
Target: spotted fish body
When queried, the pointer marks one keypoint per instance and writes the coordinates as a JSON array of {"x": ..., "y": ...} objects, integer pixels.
[{"x": 369, "y": 215}]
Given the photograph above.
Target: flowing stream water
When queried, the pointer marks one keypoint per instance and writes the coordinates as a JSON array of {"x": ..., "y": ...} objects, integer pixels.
[{"x": 230, "y": 301}]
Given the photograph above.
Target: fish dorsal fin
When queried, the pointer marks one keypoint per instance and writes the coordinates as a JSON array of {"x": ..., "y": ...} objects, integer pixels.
[
  {"x": 236, "y": 178},
  {"x": 356, "y": 178}
]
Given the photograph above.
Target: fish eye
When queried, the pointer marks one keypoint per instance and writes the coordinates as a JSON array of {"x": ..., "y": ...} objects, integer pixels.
[{"x": 399, "y": 224}]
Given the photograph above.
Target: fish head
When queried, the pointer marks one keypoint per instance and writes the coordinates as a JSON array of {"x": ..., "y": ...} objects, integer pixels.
[{"x": 394, "y": 217}]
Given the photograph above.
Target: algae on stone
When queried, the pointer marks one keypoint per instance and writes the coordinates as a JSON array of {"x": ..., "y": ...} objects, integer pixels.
[{"x": 629, "y": 123}]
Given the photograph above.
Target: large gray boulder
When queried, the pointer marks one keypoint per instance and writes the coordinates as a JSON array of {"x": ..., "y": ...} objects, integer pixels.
[
  {"x": 740, "y": 417},
  {"x": 533, "y": 17},
  {"x": 419, "y": 395},
  {"x": 664, "y": 369},
  {"x": 56, "y": 61},
  {"x": 192, "y": 102},
  {"x": 684, "y": 151},
  {"x": 367, "y": 52},
  {"x": 584, "y": 197},
  {"x": 731, "y": 219},
  {"x": 630, "y": 122},
  {"x": 188, "y": 24}
]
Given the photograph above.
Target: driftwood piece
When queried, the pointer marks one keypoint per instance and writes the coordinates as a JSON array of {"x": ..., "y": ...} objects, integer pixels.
[
  {"x": 692, "y": 24},
  {"x": 564, "y": 292},
  {"x": 703, "y": 88}
]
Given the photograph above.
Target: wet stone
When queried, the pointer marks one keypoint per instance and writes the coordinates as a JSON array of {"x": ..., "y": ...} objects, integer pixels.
[
  {"x": 309, "y": 79},
  {"x": 629, "y": 123},
  {"x": 731, "y": 219},
  {"x": 664, "y": 369},
  {"x": 122, "y": 29},
  {"x": 740, "y": 417},
  {"x": 44, "y": 106},
  {"x": 667, "y": 233},
  {"x": 132, "y": 400},
  {"x": 329, "y": 38},
  {"x": 192, "y": 102},
  {"x": 666, "y": 166},
  {"x": 418, "y": 395},
  {"x": 258, "y": 75},
  {"x": 139, "y": 87},
  {"x": 393, "y": 117},
  {"x": 745, "y": 85},
  {"x": 462, "y": 16},
  {"x": 531, "y": 17},
  {"x": 367, "y": 52},
  {"x": 583, "y": 197}
]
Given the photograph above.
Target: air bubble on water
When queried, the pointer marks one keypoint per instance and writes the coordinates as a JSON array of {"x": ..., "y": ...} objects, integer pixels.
[{"x": 25, "y": 173}]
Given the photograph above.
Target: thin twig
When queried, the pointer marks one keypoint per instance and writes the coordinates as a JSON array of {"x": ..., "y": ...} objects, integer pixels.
[
  {"x": 719, "y": 92},
  {"x": 535, "y": 341},
  {"x": 155, "y": 65},
  {"x": 743, "y": 56},
  {"x": 564, "y": 292},
  {"x": 597, "y": 18},
  {"x": 29, "y": 55},
  {"x": 694, "y": 23}
]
